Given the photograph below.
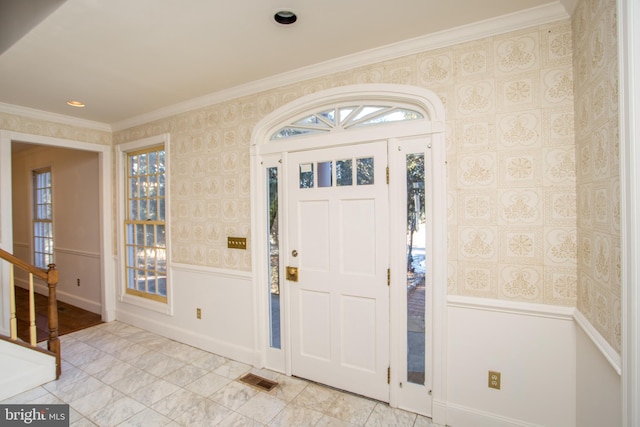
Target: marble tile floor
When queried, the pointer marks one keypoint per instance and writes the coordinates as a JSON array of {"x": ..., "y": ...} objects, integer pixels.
[{"x": 115, "y": 374}]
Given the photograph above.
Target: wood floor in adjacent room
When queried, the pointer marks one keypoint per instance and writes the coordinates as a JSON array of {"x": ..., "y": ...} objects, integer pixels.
[{"x": 70, "y": 318}]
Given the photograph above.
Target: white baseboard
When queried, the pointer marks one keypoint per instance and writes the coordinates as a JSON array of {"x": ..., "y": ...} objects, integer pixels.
[
  {"x": 460, "y": 416},
  {"x": 439, "y": 411},
  {"x": 234, "y": 352},
  {"x": 83, "y": 303}
]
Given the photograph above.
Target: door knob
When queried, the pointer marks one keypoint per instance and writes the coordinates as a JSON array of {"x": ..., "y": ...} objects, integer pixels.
[{"x": 292, "y": 274}]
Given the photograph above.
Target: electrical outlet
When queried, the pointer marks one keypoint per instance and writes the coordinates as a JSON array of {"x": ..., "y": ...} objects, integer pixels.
[
  {"x": 494, "y": 380},
  {"x": 78, "y": 282},
  {"x": 198, "y": 313}
]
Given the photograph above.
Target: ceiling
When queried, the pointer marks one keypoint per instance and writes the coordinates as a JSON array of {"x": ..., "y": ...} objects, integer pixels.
[{"x": 127, "y": 58}]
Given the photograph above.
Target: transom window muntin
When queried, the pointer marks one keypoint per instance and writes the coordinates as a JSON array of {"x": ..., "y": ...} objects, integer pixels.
[
  {"x": 145, "y": 239},
  {"x": 346, "y": 117},
  {"x": 42, "y": 218}
]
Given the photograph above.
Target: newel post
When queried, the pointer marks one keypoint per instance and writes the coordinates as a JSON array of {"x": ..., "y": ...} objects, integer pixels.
[{"x": 53, "y": 344}]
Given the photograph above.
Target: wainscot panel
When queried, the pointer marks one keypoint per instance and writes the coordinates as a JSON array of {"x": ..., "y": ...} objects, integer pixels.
[
  {"x": 533, "y": 348},
  {"x": 225, "y": 300},
  {"x": 598, "y": 387}
]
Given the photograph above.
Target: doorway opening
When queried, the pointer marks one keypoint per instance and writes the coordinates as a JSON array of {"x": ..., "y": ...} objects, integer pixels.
[
  {"x": 70, "y": 317},
  {"x": 92, "y": 272}
]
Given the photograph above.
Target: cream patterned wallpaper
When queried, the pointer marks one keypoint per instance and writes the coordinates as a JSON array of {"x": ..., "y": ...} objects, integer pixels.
[
  {"x": 598, "y": 173},
  {"x": 511, "y": 164},
  {"x": 510, "y": 155},
  {"x": 22, "y": 124}
]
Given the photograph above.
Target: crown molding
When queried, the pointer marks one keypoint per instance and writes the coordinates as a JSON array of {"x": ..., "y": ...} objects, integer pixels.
[
  {"x": 545, "y": 14},
  {"x": 53, "y": 117}
]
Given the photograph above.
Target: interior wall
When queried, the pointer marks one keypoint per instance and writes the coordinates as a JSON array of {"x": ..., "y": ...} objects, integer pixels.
[
  {"x": 598, "y": 166},
  {"x": 77, "y": 250},
  {"x": 598, "y": 390},
  {"x": 510, "y": 158},
  {"x": 511, "y": 203},
  {"x": 598, "y": 400},
  {"x": 511, "y": 182},
  {"x": 228, "y": 316}
]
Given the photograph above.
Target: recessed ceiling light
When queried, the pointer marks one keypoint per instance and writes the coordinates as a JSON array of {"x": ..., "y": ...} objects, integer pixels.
[
  {"x": 285, "y": 17},
  {"x": 77, "y": 104}
]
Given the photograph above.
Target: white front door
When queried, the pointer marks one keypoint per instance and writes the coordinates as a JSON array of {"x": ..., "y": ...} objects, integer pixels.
[{"x": 338, "y": 231}]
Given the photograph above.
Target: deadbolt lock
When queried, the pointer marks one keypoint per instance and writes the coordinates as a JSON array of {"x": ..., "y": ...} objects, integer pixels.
[{"x": 292, "y": 274}]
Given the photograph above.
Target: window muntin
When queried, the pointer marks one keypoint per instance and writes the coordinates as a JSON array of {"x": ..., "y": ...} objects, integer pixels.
[
  {"x": 42, "y": 218},
  {"x": 145, "y": 241},
  {"x": 345, "y": 117}
]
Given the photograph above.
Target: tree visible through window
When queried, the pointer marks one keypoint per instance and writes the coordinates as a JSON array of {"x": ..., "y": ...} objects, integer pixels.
[
  {"x": 42, "y": 218},
  {"x": 146, "y": 252}
]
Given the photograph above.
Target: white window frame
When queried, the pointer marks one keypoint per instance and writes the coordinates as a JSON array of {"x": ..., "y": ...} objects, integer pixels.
[
  {"x": 122, "y": 152},
  {"x": 34, "y": 215}
]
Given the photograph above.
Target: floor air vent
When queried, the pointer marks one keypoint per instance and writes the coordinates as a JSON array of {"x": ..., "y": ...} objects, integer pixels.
[{"x": 259, "y": 382}]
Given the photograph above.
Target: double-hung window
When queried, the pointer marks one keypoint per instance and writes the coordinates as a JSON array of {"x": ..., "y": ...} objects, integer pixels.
[
  {"x": 144, "y": 227},
  {"x": 42, "y": 218}
]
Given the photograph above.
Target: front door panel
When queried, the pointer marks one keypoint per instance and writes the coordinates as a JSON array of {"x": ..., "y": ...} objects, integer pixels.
[{"x": 338, "y": 224}]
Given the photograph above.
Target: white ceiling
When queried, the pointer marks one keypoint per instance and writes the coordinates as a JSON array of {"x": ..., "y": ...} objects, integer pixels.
[{"x": 126, "y": 58}]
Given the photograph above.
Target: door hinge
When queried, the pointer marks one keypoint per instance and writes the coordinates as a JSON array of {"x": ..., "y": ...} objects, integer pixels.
[
  {"x": 387, "y": 174},
  {"x": 389, "y": 375},
  {"x": 388, "y": 277}
]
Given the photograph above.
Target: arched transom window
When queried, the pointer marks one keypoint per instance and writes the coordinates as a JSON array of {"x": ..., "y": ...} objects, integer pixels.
[{"x": 345, "y": 117}]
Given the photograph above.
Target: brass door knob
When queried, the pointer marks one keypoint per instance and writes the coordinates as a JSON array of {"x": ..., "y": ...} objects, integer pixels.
[{"x": 292, "y": 274}]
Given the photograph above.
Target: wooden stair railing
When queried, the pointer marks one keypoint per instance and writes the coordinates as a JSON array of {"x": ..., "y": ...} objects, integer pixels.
[{"x": 50, "y": 276}]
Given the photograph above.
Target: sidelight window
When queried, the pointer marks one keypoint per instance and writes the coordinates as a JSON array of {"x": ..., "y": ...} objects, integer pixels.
[
  {"x": 274, "y": 257},
  {"x": 416, "y": 268}
]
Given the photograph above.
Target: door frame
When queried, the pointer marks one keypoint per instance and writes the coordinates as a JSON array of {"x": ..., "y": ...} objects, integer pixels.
[
  {"x": 104, "y": 221},
  {"x": 273, "y": 153}
]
